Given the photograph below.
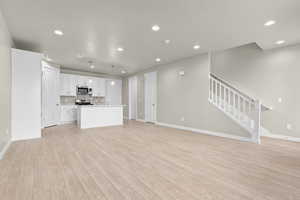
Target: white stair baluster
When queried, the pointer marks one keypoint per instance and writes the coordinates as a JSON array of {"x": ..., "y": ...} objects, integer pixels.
[{"x": 235, "y": 104}]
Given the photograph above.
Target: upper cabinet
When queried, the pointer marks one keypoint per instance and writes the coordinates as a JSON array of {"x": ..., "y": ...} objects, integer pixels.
[
  {"x": 69, "y": 82},
  {"x": 67, "y": 85}
]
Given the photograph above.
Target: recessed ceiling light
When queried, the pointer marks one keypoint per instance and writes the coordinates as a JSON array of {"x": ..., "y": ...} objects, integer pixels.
[
  {"x": 155, "y": 28},
  {"x": 270, "y": 23},
  {"x": 167, "y": 41},
  {"x": 58, "y": 32},
  {"x": 112, "y": 83},
  {"x": 120, "y": 49},
  {"x": 157, "y": 59},
  {"x": 92, "y": 66},
  {"x": 123, "y": 71},
  {"x": 197, "y": 46},
  {"x": 280, "y": 42}
]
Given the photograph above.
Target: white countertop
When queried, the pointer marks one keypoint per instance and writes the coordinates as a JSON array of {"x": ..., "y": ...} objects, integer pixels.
[{"x": 103, "y": 106}]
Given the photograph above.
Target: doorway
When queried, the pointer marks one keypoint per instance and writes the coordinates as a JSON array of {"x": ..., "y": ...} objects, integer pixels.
[
  {"x": 132, "y": 91},
  {"x": 50, "y": 95},
  {"x": 150, "y": 96}
]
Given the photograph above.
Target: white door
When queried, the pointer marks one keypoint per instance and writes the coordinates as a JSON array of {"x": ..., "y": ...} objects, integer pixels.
[
  {"x": 150, "y": 96},
  {"x": 50, "y": 100},
  {"x": 132, "y": 91}
]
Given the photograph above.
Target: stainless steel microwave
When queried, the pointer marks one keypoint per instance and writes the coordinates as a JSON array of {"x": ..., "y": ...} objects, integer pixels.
[{"x": 84, "y": 91}]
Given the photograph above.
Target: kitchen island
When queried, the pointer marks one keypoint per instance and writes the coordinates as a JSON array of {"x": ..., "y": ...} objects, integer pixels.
[{"x": 92, "y": 116}]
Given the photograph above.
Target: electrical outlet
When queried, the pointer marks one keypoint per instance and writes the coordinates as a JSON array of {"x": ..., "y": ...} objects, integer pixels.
[{"x": 182, "y": 119}]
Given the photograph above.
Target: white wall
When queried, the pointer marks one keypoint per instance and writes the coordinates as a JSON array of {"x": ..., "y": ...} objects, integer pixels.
[
  {"x": 5, "y": 85},
  {"x": 26, "y": 95},
  {"x": 113, "y": 94}
]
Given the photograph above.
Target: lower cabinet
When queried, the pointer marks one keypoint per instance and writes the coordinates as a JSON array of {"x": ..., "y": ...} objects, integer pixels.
[{"x": 68, "y": 114}]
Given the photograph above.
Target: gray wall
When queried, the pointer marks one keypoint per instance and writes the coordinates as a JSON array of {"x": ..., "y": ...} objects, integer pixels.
[
  {"x": 268, "y": 75},
  {"x": 186, "y": 97},
  {"x": 5, "y": 83}
]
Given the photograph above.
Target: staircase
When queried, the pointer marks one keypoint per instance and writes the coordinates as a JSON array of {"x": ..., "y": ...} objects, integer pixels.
[{"x": 241, "y": 108}]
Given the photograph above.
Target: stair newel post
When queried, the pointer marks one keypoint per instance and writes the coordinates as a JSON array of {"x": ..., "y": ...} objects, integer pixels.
[{"x": 257, "y": 124}]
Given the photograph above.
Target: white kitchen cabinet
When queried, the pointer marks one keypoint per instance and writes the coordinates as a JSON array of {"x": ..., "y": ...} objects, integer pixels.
[
  {"x": 84, "y": 81},
  {"x": 68, "y": 113},
  {"x": 113, "y": 94},
  {"x": 98, "y": 86},
  {"x": 68, "y": 84}
]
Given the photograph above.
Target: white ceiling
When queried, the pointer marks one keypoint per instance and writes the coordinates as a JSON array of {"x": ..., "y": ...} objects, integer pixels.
[{"x": 96, "y": 28}]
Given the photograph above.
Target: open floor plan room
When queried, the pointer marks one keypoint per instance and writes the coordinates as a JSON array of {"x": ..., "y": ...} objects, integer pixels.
[
  {"x": 144, "y": 161},
  {"x": 149, "y": 100}
]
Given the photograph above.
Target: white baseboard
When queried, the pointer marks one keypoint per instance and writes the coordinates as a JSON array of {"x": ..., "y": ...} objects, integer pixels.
[
  {"x": 206, "y": 132},
  {"x": 67, "y": 122},
  {"x": 266, "y": 133},
  {"x": 25, "y": 138},
  {"x": 282, "y": 137},
  {"x": 5, "y": 148},
  {"x": 140, "y": 120}
]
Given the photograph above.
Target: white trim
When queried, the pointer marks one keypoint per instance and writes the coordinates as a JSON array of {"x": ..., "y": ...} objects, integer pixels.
[
  {"x": 283, "y": 137},
  {"x": 66, "y": 122},
  {"x": 25, "y": 138},
  {"x": 140, "y": 120},
  {"x": 206, "y": 132},
  {"x": 266, "y": 133},
  {"x": 5, "y": 148}
]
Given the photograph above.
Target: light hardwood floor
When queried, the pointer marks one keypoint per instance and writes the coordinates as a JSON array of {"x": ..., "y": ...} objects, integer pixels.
[{"x": 142, "y": 161}]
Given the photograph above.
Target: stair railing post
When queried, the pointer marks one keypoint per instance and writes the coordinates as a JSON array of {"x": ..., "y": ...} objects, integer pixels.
[{"x": 257, "y": 122}]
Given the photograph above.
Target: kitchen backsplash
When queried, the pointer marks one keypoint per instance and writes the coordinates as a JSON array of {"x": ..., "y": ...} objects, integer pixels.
[{"x": 71, "y": 100}]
